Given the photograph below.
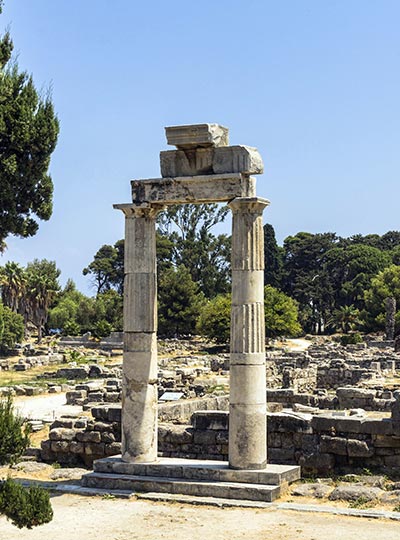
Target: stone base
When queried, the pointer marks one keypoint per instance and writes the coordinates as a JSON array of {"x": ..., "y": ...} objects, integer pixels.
[{"x": 192, "y": 477}]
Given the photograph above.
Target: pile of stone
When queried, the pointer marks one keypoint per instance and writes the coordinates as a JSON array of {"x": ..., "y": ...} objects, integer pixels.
[
  {"x": 29, "y": 362},
  {"x": 22, "y": 390},
  {"x": 332, "y": 366},
  {"x": 83, "y": 371},
  {"x": 85, "y": 394},
  {"x": 368, "y": 399}
]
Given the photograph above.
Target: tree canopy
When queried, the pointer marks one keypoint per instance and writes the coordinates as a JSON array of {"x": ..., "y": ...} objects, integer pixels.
[{"x": 28, "y": 136}]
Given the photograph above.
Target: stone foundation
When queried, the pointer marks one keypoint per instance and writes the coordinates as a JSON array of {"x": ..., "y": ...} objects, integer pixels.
[{"x": 321, "y": 444}]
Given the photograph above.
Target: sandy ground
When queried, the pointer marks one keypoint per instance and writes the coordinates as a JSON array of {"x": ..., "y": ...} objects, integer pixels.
[{"x": 91, "y": 518}]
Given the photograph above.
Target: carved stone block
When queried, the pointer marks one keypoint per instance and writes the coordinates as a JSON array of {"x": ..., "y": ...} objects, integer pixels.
[
  {"x": 200, "y": 161},
  {"x": 197, "y": 135}
]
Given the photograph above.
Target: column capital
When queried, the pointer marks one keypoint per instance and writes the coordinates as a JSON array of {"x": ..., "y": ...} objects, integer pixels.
[
  {"x": 145, "y": 210},
  {"x": 251, "y": 205}
]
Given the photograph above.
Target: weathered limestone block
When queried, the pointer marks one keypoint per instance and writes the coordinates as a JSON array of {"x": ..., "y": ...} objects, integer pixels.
[
  {"x": 385, "y": 441},
  {"x": 141, "y": 366},
  {"x": 192, "y": 189},
  {"x": 357, "y": 448},
  {"x": 353, "y": 493},
  {"x": 139, "y": 422},
  {"x": 140, "y": 241},
  {"x": 60, "y": 446},
  {"x": 97, "y": 449},
  {"x": 214, "y": 420},
  {"x": 88, "y": 437},
  {"x": 140, "y": 312},
  {"x": 180, "y": 435},
  {"x": 107, "y": 437},
  {"x": 247, "y": 442},
  {"x": 102, "y": 426},
  {"x": 204, "y": 161},
  {"x": 193, "y": 162},
  {"x": 284, "y": 422},
  {"x": 318, "y": 463},
  {"x": 63, "y": 423},
  {"x": 333, "y": 445},
  {"x": 62, "y": 434},
  {"x": 204, "y": 437},
  {"x": 247, "y": 382},
  {"x": 197, "y": 135},
  {"x": 76, "y": 447},
  {"x": 282, "y": 455},
  {"x": 112, "y": 449},
  {"x": 244, "y": 159}
]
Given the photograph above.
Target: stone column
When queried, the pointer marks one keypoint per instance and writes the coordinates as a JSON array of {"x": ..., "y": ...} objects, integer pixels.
[
  {"x": 139, "y": 381},
  {"x": 248, "y": 407}
]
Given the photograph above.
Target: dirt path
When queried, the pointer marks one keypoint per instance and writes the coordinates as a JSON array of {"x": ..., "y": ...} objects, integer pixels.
[
  {"x": 91, "y": 518},
  {"x": 46, "y": 407}
]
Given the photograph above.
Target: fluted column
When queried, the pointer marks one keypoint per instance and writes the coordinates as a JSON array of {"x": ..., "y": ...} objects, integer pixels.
[
  {"x": 247, "y": 410},
  {"x": 139, "y": 381}
]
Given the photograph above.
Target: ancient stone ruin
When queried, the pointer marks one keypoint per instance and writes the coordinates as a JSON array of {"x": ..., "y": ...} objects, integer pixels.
[{"x": 203, "y": 169}]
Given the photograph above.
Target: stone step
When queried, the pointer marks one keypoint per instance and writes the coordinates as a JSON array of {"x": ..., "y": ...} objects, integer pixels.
[
  {"x": 193, "y": 469},
  {"x": 145, "y": 484}
]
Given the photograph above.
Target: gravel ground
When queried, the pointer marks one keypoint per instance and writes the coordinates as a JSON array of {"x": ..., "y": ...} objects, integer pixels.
[{"x": 89, "y": 518}]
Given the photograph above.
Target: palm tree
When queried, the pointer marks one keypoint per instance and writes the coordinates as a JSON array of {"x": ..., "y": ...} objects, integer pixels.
[
  {"x": 13, "y": 284},
  {"x": 39, "y": 297},
  {"x": 346, "y": 318},
  {"x": 41, "y": 288}
]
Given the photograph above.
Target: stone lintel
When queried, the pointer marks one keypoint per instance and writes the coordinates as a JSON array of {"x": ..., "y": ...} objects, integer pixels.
[
  {"x": 192, "y": 189},
  {"x": 197, "y": 135},
  {"x": 200, "y": 161}
]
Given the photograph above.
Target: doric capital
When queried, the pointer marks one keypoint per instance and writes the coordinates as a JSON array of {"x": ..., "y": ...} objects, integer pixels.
[
  {"x": 143, "y": 210},
  {"x": 248, "y": 205}
]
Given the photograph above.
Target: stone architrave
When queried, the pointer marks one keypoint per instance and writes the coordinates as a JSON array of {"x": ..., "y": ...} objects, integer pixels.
[
  {"x": 248, "y": 408},
  {"x": 139, "y": 380},
  {"x": 193, "y": 189}
]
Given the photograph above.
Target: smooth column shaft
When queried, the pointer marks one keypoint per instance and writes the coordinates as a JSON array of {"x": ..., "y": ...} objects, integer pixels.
[{"x": 139, "y": 384}]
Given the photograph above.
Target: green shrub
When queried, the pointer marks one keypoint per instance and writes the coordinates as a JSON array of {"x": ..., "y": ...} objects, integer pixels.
[
  {"x": 103, "y": 329},
  {"x": 11, "y": 328},
  {"x": 25, "y": 507},
  {"x": 350, "y": 339},
  {"x": 14, "y": 436},
  {"x": 215, "y": 318},
  {"x": 71, "y": 328},
  {"x": 281, "y": 314}
]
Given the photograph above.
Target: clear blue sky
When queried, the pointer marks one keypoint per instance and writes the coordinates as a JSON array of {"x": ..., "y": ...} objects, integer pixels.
[{"x": 314, "y": 84}]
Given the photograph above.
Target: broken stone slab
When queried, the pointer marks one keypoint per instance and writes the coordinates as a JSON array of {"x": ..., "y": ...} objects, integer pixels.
[
  {"x": 223, "y": 160},
  {"x": 354, "y": 492},
  {"x": 319, "y": 491},
  {"x": 197, "y": 135}
]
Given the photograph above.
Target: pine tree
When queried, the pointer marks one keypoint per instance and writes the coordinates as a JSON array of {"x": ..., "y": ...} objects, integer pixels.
[{"x": 28, "y": 136}]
